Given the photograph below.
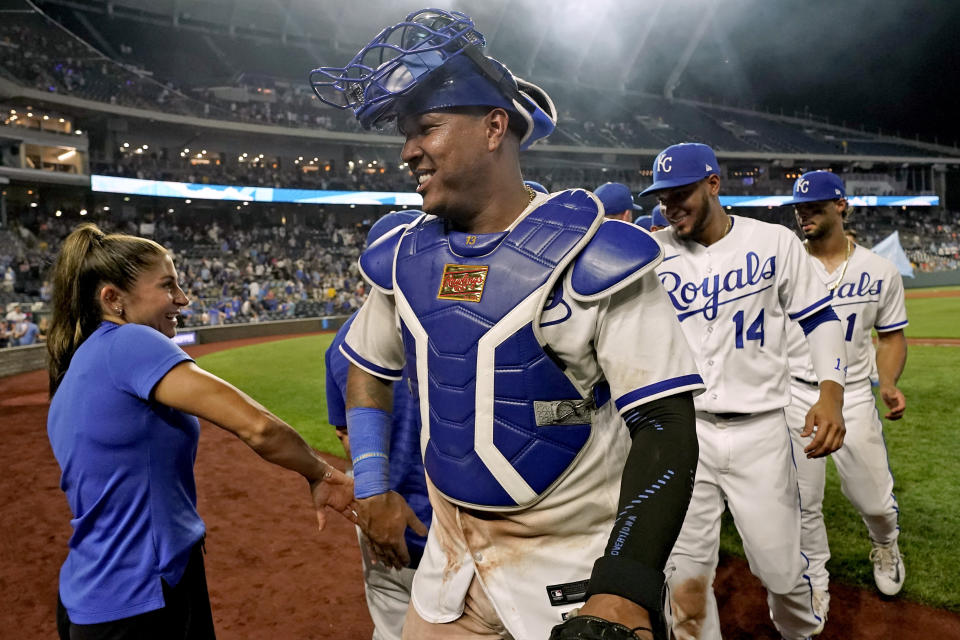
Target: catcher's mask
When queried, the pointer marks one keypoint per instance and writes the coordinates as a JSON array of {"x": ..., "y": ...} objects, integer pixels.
[{"x": 432, "y": 60}]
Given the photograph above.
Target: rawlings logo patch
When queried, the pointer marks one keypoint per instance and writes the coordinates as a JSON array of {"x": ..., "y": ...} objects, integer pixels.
[{"x": 462, "y": 282}]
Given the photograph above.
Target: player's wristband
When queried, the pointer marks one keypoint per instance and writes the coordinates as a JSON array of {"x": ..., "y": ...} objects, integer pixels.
[{"x": 369, "y": 431}]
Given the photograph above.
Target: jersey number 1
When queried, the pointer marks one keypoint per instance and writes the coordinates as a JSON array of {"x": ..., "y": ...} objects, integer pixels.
[{"x": 754, "y": 331}]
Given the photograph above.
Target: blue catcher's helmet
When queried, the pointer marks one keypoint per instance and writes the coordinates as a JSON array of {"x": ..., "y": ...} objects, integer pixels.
[{"x": 432, "y": 60}]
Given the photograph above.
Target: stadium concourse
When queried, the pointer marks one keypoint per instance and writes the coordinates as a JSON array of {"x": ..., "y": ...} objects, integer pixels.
[{"x": 271, "y": 574}]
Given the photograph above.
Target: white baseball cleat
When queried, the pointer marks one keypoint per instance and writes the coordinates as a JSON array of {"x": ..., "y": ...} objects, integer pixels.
[
  {"x": 888, "y": 569},
  {"x": 821, "y": 605}
]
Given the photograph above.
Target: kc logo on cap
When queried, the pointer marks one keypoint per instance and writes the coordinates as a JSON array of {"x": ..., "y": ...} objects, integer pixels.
[
  {"x": 682, "y": 164},
  {"x": 664, "y": 163},
  {"x": 815, "y": 186}
]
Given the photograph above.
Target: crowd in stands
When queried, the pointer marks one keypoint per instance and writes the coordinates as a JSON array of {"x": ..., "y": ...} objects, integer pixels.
[
  {"x": 40, "y": 53},
  {"x": 929, "y": 237},
  {"x": 231, "y": 273},
  {"x": 243, "y": 272}
]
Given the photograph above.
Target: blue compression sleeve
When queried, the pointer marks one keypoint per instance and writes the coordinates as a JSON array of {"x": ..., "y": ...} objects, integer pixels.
[{"x": 369, "y": 431}]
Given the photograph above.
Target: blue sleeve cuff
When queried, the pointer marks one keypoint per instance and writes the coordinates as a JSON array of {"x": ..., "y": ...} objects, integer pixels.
[
  {"x": 811, "y": 322},
  {"x": 369, "y": 431}
]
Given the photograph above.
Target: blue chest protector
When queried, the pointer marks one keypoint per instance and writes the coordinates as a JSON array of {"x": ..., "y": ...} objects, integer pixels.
[{"x": 468, "y": 307}]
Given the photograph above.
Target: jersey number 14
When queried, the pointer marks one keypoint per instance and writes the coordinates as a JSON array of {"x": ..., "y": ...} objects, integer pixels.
[{"x": 754, "y": 331}]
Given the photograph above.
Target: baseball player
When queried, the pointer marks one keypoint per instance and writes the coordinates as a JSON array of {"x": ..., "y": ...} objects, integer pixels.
[
  {"x": 387, "y": 588},
  {"x": 657, "y": 221},
  {"x": 867, "y": 295},
  {"x": 734, "y": 282},
  {"x": 521, "y": 338},
  {"x": 617, "y": 201},
  {"x": 644, "y": 221}
]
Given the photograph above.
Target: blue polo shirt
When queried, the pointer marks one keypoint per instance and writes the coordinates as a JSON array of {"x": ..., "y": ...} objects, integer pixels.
[{"x": 127, "y": 471}]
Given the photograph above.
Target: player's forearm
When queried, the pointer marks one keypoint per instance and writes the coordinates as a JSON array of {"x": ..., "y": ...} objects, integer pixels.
[
  {"x": 654, "y": 495},
  {"x": 369, "y": 422},
  {"x": 891, "y": 356}
]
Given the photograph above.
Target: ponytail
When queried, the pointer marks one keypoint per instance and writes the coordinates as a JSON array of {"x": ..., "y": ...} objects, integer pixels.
[{"x": 87, "y": 261}]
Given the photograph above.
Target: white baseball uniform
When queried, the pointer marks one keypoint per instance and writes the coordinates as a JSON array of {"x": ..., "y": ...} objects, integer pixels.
[
  {"x": 733, "y": 299},
  {"x": 869, "y": 296},
  {"x": 631, "y": 340}
]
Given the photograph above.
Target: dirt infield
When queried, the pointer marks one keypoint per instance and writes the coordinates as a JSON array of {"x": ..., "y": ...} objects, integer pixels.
[
  {"x": 271, "y": 575},
  {"x": 938, "y": 293}
]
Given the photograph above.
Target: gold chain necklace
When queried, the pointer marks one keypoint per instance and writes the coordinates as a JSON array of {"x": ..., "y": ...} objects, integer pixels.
[
  {"x": 843, "y": 268},
  {"x": 531, "y": 194}
]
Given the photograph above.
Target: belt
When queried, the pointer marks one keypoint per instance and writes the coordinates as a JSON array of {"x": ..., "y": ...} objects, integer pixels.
[{"x": 806, "y": 382}]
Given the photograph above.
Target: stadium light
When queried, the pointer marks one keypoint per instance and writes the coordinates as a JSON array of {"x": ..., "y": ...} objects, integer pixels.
[
  {"x": 46, "y": 117},
  {"x": 83, "y": 212},
  {"x": 106, "y": 208},
  {"x": 78, "y": 132},
  {"x": 58, "y": 213},
  {"x": 188, "y": 201},
  {"x": 34, "y": 205}
]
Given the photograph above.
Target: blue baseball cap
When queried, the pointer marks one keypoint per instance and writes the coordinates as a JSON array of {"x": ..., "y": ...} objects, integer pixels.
[
  {"x": 390, "y": 222},
  {"x": 643, "y": 221},
  {"x": 816, "y": 186},
  {"x": 616, "y": 197},
  {"x": 536, "y": 186},
  {"x": 682, "y": 164},
  {"x": 659, "y": 220}
]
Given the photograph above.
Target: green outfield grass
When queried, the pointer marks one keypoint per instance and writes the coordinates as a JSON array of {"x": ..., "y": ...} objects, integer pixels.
[
  {"x": 933, "y": 317},
  {"x": 288, "y": 377}
]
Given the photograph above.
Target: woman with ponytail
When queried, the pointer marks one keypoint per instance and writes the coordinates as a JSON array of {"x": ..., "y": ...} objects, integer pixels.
[{"x": 123, "y": 427}]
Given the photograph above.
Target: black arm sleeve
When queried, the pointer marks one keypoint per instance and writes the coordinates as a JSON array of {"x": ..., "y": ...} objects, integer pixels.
[{"x": 654, "y": 495}]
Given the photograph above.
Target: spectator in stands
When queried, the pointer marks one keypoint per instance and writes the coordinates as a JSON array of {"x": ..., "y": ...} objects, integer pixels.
[
  {"x": 135, "y": 565},
  {"x": 6, "y": 334},
  {"x": 9, "y": 278},
  {"x": 26, "y": 332},
  {"x": 16, "y": 314}
]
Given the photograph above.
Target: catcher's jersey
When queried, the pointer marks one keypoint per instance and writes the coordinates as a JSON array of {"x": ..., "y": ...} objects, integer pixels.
[
  {"x": 869, "y": 296},
  {"x": 733, "y": 300},
  {"x": 631, "y": 340}
]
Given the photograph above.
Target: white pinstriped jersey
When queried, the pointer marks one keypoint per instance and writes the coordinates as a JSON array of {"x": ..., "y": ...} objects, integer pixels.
[
  {"x": 870, "y": 296},
  {"x": 733, "y": 299}
]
